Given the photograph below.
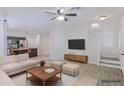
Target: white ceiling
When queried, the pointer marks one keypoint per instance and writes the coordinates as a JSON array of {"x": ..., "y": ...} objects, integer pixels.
[{"x": 34, "y": 18}]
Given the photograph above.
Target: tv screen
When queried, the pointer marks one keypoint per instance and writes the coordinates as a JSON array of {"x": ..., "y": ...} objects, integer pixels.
[{"x": 76, "y": 44}]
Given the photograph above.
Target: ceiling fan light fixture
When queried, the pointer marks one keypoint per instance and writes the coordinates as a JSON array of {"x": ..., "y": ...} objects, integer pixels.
[
  {"x": 61, "y": 11},
  {"x": 102, "y": 18},
  {"x": 60, "y": 18}
]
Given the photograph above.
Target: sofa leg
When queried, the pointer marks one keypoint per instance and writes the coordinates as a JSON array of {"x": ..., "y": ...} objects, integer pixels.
[
  {"x": 26, "y": 77},
  {"x": 73, "y": 73}
]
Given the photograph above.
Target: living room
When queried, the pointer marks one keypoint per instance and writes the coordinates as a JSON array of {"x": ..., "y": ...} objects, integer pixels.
[{"x": 86, "y": 46}]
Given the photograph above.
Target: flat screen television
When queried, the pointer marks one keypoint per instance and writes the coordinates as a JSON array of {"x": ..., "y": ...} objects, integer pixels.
[{"x": 76, "y": 44}]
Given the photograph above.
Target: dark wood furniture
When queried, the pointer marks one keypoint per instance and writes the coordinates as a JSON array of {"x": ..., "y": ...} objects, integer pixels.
[
  {"x": 32, "y": 51},
  {"x": 18, "y": 51},
  {"x": 38, "y": 76},
  {"x": 77, "y": 58}
]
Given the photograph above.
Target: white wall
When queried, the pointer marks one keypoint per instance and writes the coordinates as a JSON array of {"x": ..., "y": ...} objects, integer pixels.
[
  {"x": 121, "y": 35},
  {"x": 3, "y": 38},
  {"x": 15, "y": 33},
  {"x": 57, "y": 44},
  {"x": 33, "y": 40},
  {"x": 52, "y": 44},
  {"x": 77, "y": 32},
  {"x": 59, "y": 40},
  {"x": 93, "y": 45},
  {"x": 44, "y": 43},
  {"x": 110, "y": 43}
]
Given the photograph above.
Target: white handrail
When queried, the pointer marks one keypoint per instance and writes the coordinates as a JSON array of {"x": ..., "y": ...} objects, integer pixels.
[{"x": 98, "y": 53}]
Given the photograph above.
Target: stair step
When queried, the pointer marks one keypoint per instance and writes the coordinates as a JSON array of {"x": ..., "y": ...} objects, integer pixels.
[
  {"x": 110, "y": 62},
  {"x": 110, "y": 58},
  {"x": 110, "y": 65}
]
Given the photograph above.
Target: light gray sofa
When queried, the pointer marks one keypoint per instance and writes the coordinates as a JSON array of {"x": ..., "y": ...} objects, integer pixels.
[
  {"x": 10, "y": 65},
  {"x": 5, "y": 80}
]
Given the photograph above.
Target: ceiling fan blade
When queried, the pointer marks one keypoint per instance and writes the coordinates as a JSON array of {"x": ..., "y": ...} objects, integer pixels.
[
  {"x": 51, "y": 13},
  {"x": 53, "y": 18},
  {"x": 75, "y": 8},
  {"x": 71, "y": 14}
]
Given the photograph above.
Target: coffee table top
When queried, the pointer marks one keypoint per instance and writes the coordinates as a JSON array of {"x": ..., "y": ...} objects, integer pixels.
[{"x": 39, "y": 73}]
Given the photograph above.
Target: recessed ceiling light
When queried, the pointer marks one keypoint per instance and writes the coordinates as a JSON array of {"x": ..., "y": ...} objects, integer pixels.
[
  {"x": 94, "y": 25},
  {"x": 60, "y": 18},
  {"x": 102, "y": 17}
]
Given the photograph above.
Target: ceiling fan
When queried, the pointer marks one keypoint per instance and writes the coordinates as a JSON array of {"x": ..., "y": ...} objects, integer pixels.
[{"x": 61, "y": 15}]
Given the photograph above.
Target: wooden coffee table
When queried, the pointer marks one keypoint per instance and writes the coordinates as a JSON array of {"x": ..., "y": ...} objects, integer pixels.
[{"x": 37, "y": 74}]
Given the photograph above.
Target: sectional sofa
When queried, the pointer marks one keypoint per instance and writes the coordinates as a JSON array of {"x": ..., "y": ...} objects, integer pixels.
[
  {"x": 10, "y": 65},
  {"x": 5, "y": 80}
]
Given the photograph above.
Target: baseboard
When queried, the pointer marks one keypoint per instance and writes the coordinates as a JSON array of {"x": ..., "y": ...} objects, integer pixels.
[
  {"x": 91, "y": 62},
  {"x": 43, "y": 54},
  {"x": 111, "y": 56}
]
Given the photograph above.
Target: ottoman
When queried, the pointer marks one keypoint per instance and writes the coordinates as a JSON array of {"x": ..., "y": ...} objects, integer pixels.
[
  {"x": 57, "y": 64},
  {"x": 71, "y": 69}
]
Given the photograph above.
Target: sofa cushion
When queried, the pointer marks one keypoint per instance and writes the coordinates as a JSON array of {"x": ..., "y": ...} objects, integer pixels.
[
  {"x": 23, "y": 57},
  {"x": 57, "y": 64},
  {"x": 5, "y": 79},
  {"x": 17, "y": 58},
  {"x": 26, "y": 63},
  {"x": 71, "y": 69},
  {"x": 10, "y": 67},
  {"x": 38, "y": 59},
  {"x": 7, "y": 59}
]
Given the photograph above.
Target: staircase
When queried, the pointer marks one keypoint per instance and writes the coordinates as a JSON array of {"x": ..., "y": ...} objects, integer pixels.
[
  {"x": 110, "y": 62},
  {"x": 113, "y": 62}
]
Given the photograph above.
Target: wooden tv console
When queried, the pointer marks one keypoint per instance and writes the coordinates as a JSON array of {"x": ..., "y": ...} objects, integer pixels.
[{"x": 77, "y": 58}]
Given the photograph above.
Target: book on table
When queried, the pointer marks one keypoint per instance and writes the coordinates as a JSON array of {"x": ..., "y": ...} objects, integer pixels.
[{"x": 49, "y": 70}]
